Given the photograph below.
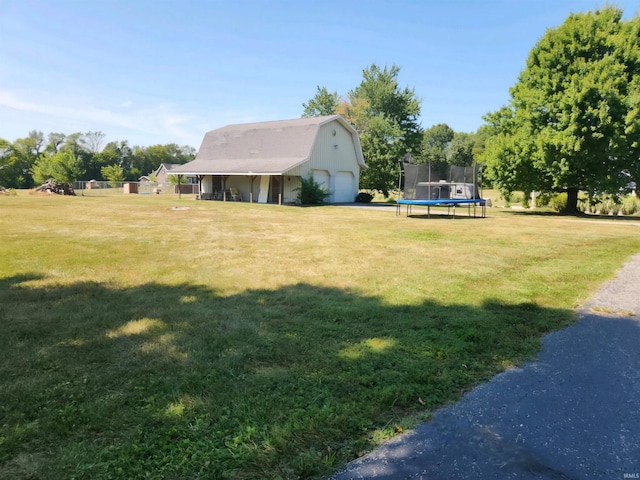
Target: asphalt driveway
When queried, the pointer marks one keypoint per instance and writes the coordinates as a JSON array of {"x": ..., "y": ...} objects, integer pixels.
[{"x": 573, "y": 413}]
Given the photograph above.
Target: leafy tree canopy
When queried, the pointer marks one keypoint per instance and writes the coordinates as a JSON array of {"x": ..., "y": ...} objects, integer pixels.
[
  {"x": 113, "y": 173},
  {"x": 323, "y": 103},
  {"x": 435, "y": 143},
  {"x": 461, "y": 149},
  {"x": 386, "y": 118},
  {"x": 63, "y": 167},
  {"x": 573, "y": 121}
]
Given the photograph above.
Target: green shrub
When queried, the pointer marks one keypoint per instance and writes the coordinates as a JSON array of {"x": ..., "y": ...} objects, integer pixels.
[
  {"x": 615, "y": 208},
  {"x": 364, "y": 197},
  {"x": 542, "y": 199},
  {"x": 583, "y": 205},
  {"x": 630, "y": 205},
  {"x": 311, "y": 192},
  {"x": 558, "y": 201},
  {"x": 605, "y": 206}
]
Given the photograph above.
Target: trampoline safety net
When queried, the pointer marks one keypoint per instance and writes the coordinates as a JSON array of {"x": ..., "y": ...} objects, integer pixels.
[{"x": 421, "y": 182}]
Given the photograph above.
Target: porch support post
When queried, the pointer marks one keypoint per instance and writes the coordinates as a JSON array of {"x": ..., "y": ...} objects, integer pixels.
[
  {"x": 224, "y": 187},
  {"x": 199, "y": 177},
  {"x": 252, "y": 177}
]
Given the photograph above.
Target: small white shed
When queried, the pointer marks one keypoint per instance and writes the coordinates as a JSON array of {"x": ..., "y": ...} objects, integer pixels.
[{"x": 264, "y": 162}]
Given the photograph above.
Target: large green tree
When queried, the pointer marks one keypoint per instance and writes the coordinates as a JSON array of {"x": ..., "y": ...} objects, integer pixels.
[
  {"x": 386, "y": 117},
  {"x": 572, "y": 123}
]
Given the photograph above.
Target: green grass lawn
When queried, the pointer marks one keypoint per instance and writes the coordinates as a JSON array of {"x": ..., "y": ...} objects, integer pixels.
[{"x": 152, "y": 337}]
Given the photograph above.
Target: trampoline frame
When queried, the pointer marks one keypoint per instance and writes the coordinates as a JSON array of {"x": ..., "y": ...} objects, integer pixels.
[{"x": 450, "y": 204}]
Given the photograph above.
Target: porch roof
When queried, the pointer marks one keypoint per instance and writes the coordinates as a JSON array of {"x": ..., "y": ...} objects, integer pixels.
[{"x": 238, "y": 166}]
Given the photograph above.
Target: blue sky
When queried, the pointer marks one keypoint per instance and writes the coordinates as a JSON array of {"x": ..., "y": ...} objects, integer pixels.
[{"x": 161, "y": 71}]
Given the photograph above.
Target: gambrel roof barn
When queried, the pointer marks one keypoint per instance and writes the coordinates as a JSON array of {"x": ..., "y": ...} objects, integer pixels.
[{"x": 265, "y": 161}]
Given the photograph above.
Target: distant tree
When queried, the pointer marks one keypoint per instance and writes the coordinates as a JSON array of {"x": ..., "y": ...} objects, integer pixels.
[
  {"x": 460, "y": 150},
  {"x": 55, "y": 142},
  {"x": 113, "y": 174},
  {"x": 92, "y": 141},
  {"x": 35, "y": 142},
  {"x": 573, "y": 122},
  {"x": 122, "y": 152},
  {"x": 146, "y": 160},
  {"x": 323, "y": 103},
  {"x": 26, "y": 151},
  {"x": 74, "y": 142},
  {"x": 9, "y": 169},
  {"x": 63, "y": 167},
  {"x": 435, "y": 143}
]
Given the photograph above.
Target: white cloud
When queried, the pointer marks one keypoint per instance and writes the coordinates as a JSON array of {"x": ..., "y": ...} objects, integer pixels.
[{"x": 156, "y": 123}]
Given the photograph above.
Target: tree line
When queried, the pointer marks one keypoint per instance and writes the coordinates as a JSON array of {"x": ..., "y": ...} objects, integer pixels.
[
  {"x": 31, "y": 160},
  {"x": 572, "y": 124}
]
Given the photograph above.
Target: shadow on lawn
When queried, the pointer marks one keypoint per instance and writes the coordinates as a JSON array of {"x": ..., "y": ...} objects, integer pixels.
[
  {"x": 100, "y": 381},
  {"x": 578, "y": 216}
]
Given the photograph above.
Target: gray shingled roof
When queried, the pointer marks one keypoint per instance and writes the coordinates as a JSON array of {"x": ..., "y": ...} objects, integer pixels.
[
  {"x": 168, "y": 166},
  {"x": 265, "y": 148}
]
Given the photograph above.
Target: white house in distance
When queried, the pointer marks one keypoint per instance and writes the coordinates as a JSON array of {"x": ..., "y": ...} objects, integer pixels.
[{"x": 264, "y": 162}]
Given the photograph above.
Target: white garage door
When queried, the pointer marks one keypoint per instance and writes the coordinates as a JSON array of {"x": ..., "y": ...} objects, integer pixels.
[{"x": 345, "y": 191}]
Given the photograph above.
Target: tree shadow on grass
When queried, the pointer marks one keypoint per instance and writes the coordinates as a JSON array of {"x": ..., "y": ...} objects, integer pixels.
[
  {"x": 580, "y": 216},
  {"x": 177, "y": 381}
]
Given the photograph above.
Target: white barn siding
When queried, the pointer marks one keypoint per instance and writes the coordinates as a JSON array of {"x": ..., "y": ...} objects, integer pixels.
[
  {"x": 335, "y": 155},
  {"x": 290, "y": 185},
  {"x": 322, "y": 178}
]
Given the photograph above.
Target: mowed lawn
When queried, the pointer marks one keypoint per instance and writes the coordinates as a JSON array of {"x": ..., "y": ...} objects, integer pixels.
[{"x": 156, "y": 337}]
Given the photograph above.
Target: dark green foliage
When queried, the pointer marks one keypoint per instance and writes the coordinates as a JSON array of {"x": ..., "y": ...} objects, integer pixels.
[
  {"x": 324, "y": 103},
  {"x": 364, "y": 197},
  {"x": 311, "y": 192},
  {"x": 573, "y": 123},
  {"x": 63, "y": 167},
  {"x": 386, "y": 118},
  {"x": 435, "y": 143}
]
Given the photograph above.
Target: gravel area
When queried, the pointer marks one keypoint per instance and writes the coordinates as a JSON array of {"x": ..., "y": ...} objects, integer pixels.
[{"x": 573, "y": 413}]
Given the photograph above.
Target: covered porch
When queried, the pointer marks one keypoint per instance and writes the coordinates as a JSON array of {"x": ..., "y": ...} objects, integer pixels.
[{"x": 274, "y": 188}]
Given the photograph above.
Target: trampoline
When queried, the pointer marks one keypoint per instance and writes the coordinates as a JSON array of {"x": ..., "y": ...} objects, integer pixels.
[{"x": 444, "y": 186}]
